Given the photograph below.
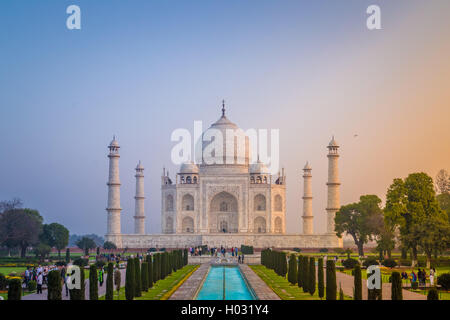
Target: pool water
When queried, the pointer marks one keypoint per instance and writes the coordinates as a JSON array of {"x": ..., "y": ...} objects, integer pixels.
[{"x": 225, "y": 283}]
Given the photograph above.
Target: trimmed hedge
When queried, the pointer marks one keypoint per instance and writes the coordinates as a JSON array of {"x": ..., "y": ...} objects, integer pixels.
[
  {"x": 14, "y": 289},
  {"x": 312, "y": 275},
  {"x": 444, "y": 281},
  {"x": 54, "y": 285},
  {"x": 357, "y": 283},
  {"x": 396, "y": 286},
  {"x": 246, "y": 249},
  {"x": 320, "y": 283},
  {"x": 110, "y": 282},
  {"x": 129, "y": 280},
  {"x": 93, "y": 283},
  {"x": 350, "y": 263},
  {"x": 331, "y": 286}
]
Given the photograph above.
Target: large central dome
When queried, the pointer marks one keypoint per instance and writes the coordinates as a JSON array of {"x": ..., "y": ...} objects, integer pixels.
[{"x": 224, "y": 145}]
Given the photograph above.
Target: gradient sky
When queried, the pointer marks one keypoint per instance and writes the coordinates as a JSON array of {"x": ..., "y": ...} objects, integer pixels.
[{"x": 140, "y": 69}]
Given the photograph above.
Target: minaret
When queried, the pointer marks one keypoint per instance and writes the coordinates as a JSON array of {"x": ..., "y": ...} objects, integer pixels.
[
  {"x": 333, "y": 184},
  {"x": 113, "y": 208},
  {"x": 139, "y": 215},
  {"x": 307, "y": 200}
]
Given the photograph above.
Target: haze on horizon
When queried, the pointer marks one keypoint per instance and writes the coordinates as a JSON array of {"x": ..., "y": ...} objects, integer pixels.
[{"x": 142, "y": 70}]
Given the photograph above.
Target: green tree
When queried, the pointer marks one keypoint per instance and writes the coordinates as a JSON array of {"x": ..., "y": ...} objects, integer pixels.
[
  {"x": 396, "y": 288},
  {"x": 85, "y": 244},
  {"x": 108, "y": 245},
  {"x": 412, "y": 209},
  {"x": 93, "y": 282},
  {"x": 67, "y": 255},
  {"x": 129, "y": 280},
  {"x": 305, "y": 271},
  {"x": 443, "y": 182},
  {"x": 15, "y": 289},
  {"x": 444, "y": 203},
  {"x": 137, "y": 278},
  {"x": 299, "y": 272},
  {"x": 292, "y": 273},
  {"x": 331, "y": 287},
  {"x": 357, "y": 283},
  {"x": 144, "y": 276},
  {"x": 55, "y": 235},
  {"x": 433, "y": 294},
  {"x": 361, "y": 220},
  {"x": 110, "y": 282},
  {"x": 54, "y": 285},
  {"x": 42, "y": 250},
  {"x": 320, "y": 278},
  {"x": 150, "y": 271},
  {"x": 312, "y": 275}
]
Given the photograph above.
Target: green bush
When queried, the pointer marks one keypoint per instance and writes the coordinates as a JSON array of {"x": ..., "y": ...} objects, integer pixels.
[
  {"x": 3, "y": 282},
  {"x": 350, "y": 263},
  {"x": 110, "y": 282},
  {"x": 320, "y": 278},
  {"x": 31, "y": 285},
  {"x": 54, "y": 285},
  {"x": 81, "y": 262},
  {"x": 433, "y": 294},
  {"x": 357, "y": 283},
  {"x": 396, "y": 286},
  {"x": 14, "y": 289},
  {"x": 389, "y": 263},
  {"x": 150, "y": 271},
  {"x": 292, "y": 273},
  {"x": 444, "y": 281},
  {"x": 331, "y": 286},
  {"x": 305, "y": 271},
  {"x": 370, "y": 261},
  {"x": 93, "y": 283},
  {"x": 152, "y": 250},
  {"x": 323, "y": 250},
  {"x": 129, "y": 280},
  {"x": 312, "y": 276},
  {"x": 299, "y": 272},
  {"x": 297, "y": 250},
  {"x": 246, "y": 249},
  {"x": 144, "y": 276},
  {"x": 415, "y": 285}
]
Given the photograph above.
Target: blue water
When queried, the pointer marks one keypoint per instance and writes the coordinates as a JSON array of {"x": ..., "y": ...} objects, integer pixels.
[{"x": 235, "y": 285}]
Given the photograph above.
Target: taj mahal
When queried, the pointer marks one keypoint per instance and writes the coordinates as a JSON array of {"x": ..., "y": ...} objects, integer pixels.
[{"x": 221, "y": 203}]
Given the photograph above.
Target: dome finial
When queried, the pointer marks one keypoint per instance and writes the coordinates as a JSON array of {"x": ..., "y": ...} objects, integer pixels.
[{"x": 223, "y": 108}]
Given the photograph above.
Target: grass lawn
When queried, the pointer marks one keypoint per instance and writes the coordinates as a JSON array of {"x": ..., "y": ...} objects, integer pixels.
[
  {"x": 282, "y": 287},
  {"x": 162, "y": 288},
  {"x": 8, "y": 270}
]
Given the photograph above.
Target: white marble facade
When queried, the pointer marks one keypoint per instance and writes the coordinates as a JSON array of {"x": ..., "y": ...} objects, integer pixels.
[{"x": 222, "y": 203}]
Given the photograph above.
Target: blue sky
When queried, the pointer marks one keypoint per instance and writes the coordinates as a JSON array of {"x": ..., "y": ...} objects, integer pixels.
[{"x": 140, "y": 69}]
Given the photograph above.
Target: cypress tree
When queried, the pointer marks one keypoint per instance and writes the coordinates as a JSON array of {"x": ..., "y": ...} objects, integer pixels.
[
  {"x": 110, "y": 282},
  {"x": 300, "y": 272},
  {"x": 433, "y": 294},
  {"x": 357, "y": 283},
  {"x": 305, "y": 269},
  {"x": 144, "y": 276},
  {"x": 312, "y": 275},
  {"x": 67, "y": 255},
  {"x": 292, "y": 273},
  {"x": 320, "y": 283},
  {"x": 396, "y": 288},
  {"x": 79, "y": 294},
  {"x": 93, "y": 283},
  {"x": 137, "y": 278},
  {"x": 331, "y": 286},
  {"x": 54, "y": 285},
  {"x": 150, "y": 271},
  {"x": 283, "y": 264},
  {"x": 14, "y": 289},
  {"x": 155, "y": 268},
  {"x": 129, "y": 280}
]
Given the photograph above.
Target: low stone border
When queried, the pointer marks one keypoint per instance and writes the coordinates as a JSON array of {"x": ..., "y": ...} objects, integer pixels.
[
  {"x": 189, "y": 288},
  {"x": 261, "y": 289}
]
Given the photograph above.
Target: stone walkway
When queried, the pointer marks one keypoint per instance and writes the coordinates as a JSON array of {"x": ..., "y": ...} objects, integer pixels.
[
  {"x": 101, "y": 290},
  {"x": 261, "y": 289},
  {"x": 189, "y": 288},
  {"x": 347, "y": 283}
]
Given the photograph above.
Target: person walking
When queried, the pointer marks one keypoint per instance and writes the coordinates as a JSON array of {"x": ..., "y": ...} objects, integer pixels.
[
  {"x": 100, "y": 276},
  {"x": 40, "y": 280},
  {"x": 432, "y": 271}
]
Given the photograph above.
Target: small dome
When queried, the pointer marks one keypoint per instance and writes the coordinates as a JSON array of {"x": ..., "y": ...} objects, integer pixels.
[
  {"x": 114, "y": 143},
  {"x": 259, "y": 167},
  {"x": 139, "y": 166},
  {"x": 189, "y": 167},
  {"x": 333, "y": 143},
  {"x": 307, "y": 166}
]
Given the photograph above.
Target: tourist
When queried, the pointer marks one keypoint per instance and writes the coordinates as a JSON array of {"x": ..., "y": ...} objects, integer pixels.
[
  {"x": 432, "y": 272},
  {"x": 239, "y": 259},
  {"x": 413, "y": 277},
  {"x": 100, "y": 276},
  {"x": 40, "y": 280},
  {"x": 242, "y": 259},
  {"x": 27, "y": 276}
]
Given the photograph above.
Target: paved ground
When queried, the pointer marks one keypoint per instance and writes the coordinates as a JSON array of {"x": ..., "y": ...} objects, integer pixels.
[
  {"x": 261, "y": 289},
  {"x": 189, "y": 288},
  {"x": 101, "y": 290},
  {"x": 347, "y": 283}
]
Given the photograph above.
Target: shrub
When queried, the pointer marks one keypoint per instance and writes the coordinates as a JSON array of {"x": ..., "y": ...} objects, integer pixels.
[
  {"x": 350, "y": 263},
  {"x": 93, "y": 283},
  {"x": 246, "y": 249},
  {"x": 100, "y": 263},
  {"x": 110, "y": 282},
  {"x": 67, "y": 255},
  {"x": 305, "y": 270},
  {"x": 81, "y": 262},
  {"x": 54, "y": 285},
  {"x": 292, "y": 274},
  {"x": 3, "y": 282},
  {"x": 144, "y": 276},
  {"x": 297, "y": 250},
  {"x": 152, "y": 250},
  {"x": 357, "y": 283},
  {"x": 14, "y": 289},
  {"x": 433, "y": 294},
  {"x": 312, "y": 275},
  {"x": 150, "y": 271},
  {"x": 444, "y": 281},
  {"x": 137, "y": 278},
  {"x": 415, "y": 285},
  {"x": 299, "y": 272},
  {"x": 320, "y": 283},
  {"x": 129, "y": 280},
  {"x": 389, "y": 263},
  {"x": 331, "y": 286},
  {"x": 31, "y": 285},
  {"x": 396, "y": 286},
  {"x": 370, "y": 261},
  {"x": 323, "y": 250}
]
